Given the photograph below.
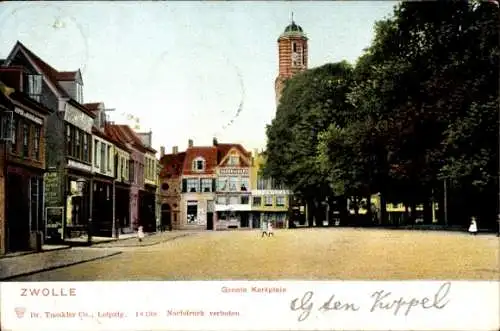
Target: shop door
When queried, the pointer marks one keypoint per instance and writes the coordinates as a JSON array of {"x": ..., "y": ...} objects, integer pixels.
[{"x": 17, "y": 211}]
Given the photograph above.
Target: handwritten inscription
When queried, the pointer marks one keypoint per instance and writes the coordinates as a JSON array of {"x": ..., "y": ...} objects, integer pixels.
[{"x": 381, "y": 300}]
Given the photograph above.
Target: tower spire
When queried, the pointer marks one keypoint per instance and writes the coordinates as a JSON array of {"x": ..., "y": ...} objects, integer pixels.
[{"x": 291, "y": 16}]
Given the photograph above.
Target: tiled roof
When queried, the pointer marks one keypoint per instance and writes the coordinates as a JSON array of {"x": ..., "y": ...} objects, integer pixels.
[
  {"x": 223, "y": 149},
  {"x": 126, "y": 135},
  {"x": 48, "y": 71},
  {"x": 207, "y": 153},
  {"x": 94, "y": 106},
  {"x": 172, "y": 164},
  {"x": 66, "y": 75},
  {"x": 52, "y": 74}
]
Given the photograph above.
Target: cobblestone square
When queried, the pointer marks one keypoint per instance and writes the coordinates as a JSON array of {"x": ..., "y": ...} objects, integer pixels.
[{"x": 307, "y": 254}]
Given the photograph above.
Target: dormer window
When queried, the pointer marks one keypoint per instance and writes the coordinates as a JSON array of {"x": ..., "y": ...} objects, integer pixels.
[
  {"x": 234, "y": 160},
  {"x": 198, "y": 164},
  {"x": 35, "y": 87}
]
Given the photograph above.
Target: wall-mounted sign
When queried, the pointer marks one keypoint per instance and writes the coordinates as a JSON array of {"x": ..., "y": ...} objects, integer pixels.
[
  {"x": 271, "y": 192},
  {"x": 80, "y": 166},
  {"x": 78, "y": 118},
  {"x": 233, "y": 171},
  {"x": 29, "y": 116}
]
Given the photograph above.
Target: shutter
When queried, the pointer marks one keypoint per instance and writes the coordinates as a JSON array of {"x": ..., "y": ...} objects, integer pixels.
[
  {"x": 184, "y": 185},
  {"x": 201, "y": 187},
  {"x": 213, "y": 185}
]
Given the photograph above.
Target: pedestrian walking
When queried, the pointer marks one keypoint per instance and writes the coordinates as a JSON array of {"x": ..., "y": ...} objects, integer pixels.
[
  {"x": 473, "y": 226},
  {"x": 270, "y": 231},
  {"x": 140, "y": 233},
  {"x": 263, "y": 228}
]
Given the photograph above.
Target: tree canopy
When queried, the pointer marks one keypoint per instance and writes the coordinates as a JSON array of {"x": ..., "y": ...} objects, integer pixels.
[{"x": 420, "y": 107}]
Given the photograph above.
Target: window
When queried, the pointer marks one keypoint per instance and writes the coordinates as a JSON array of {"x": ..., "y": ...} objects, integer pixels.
[
  {"x": 206, "y": 184},
  {"x": 198, "y": 164},
  {"x": 103, "y": 157},
  {"x": 234, "y": 160},
  {"x": 85, "y": 147},
  {"x": 26, "y": 137},
  {"x": 96, "y": 153},
  {"x": 68, "y": 139},
  {"x": 193, "y": 185},
  {"x": 257, "y": 201},
  {"x": 77, "y": 145},
  {"x": 36, "y": 142},
  {"x": 294, "y": 47},
  {"x": 165, "y": 187},
  {"x": 222, "y": 200},
  {"x": 268, "y": 200},
  {"x": 280, "y": 201},
  {"x": 244, "y": 184},
  {"x": 15, "y": 135},
  {"x": 222, "y": 184},
  {"x": 233, "y": 183},
  {"x": 245, "y": 199},
  {"x": 35, "y": 87},
  {"x": 109, "y": 158},
  {"x": 131, "y": 173},
  {"x": 192, "y": 212},
  {"x": 234, "y": 200}
]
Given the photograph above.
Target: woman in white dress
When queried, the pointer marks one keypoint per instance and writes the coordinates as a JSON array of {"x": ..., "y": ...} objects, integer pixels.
[
  {"x": 140, "y": 233},
  {"x": 473, "y": 226}
]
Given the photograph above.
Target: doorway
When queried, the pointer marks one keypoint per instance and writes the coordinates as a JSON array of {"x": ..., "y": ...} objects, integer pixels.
[
  {"x": 244, "y": 220},
  {"x": 166, "y": 217},
  {"x": 17, "y": 212},
  {"x": 210, "y": 221}
]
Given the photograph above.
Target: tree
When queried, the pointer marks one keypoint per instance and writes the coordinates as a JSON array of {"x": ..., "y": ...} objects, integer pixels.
[{"x": 309, "y": 103}]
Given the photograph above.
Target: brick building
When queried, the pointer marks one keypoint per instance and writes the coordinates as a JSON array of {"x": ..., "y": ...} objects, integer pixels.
[
  {"x": 22, "y": 162},
  {"x": 198, "y": 187},
  {"x": 292, "y": 55},
  {"x": 170, "y": 184}
]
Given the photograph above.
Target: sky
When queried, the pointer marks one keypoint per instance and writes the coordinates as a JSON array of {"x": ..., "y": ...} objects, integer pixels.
[{"x": 183, "y": 69}]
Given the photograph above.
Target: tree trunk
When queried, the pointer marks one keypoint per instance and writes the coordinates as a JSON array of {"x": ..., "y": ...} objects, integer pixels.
[
  {"x": 369, "y": 213},
  {"x": 383, "y": 209},
  {"x": 406, "y": 214},
  {"x": 413, "y": 214},
  {"x": 310, "y": 213},
  {"x": 428, "y": 209}
]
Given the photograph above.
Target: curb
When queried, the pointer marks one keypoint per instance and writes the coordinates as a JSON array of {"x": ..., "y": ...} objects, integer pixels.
[
  {"x": 142, "y": 245},
  {"x": 34, "y": 252},
  {"x": 58, "y": 267}
]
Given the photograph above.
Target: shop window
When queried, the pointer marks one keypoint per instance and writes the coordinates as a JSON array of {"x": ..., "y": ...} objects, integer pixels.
[{"x": 257, "y": 201}]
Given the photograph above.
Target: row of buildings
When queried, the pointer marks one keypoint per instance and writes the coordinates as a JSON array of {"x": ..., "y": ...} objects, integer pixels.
[
  {"x": 65, "y": 171},
  {"x": 218, "y": 187}
]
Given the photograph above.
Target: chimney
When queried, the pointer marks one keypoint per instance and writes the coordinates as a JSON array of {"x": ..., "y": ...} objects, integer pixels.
[
  {"x": 190, "y": 143},
  {"x": 215, "y": 142},
  {"x": 175, "y": 150},
  {"x": 162, "y": 151}
]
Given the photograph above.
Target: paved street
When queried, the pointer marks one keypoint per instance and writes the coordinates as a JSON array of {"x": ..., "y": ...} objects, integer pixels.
[{"x": 314, "y": 254}]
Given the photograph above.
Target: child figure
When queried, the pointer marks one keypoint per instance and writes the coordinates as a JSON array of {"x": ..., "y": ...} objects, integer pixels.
[
  {"x": 473, "y": 226},
  {"x": 263, "y": 228},
  {"x": 140, "y": 233},
  {"x": 270, "y": 229}
]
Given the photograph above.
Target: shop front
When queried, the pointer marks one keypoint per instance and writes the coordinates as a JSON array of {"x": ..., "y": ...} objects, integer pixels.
[
  {"x": 233, "y": 212},
  {"x": 122, "y": 207},
  {"x": 24, "y": 207},
  {"x": 147, "y": 208},
  {"x": 102, "y": 206},
  {"x": 78, "y": 220}
]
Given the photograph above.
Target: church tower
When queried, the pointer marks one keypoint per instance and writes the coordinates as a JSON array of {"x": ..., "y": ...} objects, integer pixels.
[{"x": 292, "y": 55}]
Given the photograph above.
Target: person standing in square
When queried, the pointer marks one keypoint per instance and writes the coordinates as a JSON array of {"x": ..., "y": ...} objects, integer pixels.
[{"x": 270, "y": 231}]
